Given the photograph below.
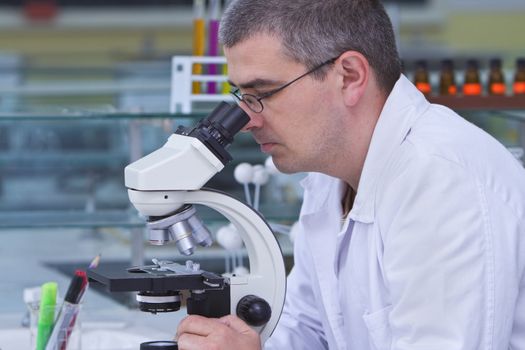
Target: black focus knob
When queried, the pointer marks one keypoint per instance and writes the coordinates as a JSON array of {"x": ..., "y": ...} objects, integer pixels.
[
  {"x": 159, "y": 345},
  {"x": 254, "y": 310}
]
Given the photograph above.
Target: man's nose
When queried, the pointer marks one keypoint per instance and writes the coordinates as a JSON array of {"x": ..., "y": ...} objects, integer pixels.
[{"x": 256, "y": 120}]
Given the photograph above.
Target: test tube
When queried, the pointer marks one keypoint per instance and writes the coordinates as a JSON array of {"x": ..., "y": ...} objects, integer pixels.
[
  {"x": 198, "y": 39},
  {"x": 213, "y": 41},
  {"x": 226, "y": 86}
]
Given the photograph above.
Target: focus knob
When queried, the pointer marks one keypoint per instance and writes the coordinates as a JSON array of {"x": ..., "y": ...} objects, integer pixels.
[
  {"x": 159, "y": 345},
  {"x": 254, "y": 310}
]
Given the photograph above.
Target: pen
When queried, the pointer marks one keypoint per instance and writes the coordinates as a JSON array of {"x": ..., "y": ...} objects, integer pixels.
[
  {"x": 68, "y": 313},
  {"x": 46, "y": 314},
  {"x": 199, "y": 42},
  {"x": 94, "y": 263},
  {"x": 226, "y": 88},
  {"x": 213, "y": 40}
]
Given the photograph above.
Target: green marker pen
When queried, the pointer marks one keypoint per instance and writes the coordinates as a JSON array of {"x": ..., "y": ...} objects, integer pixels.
[{"x": 46, "y": 315}]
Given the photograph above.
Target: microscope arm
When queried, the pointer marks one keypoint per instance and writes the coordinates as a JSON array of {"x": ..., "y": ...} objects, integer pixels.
[
  {"x": 163, "y": 186},
  {"x": 267, "y": 278}
]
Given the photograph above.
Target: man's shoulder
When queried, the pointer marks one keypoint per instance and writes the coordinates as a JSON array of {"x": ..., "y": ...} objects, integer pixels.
[
  {"x": 442, "y": 134},
  {"x": 442, "y": 146}
]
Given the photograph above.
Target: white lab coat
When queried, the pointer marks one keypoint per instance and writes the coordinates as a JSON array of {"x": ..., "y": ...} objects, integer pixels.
[{"x": 433, "y": 254}]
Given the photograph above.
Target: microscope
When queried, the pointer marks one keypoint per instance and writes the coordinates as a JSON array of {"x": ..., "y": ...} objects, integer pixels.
[{"x": 164, "y": 186}]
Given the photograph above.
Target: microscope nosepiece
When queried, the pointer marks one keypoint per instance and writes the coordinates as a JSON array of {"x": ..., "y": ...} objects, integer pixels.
[{"x": 184, "y": 227}]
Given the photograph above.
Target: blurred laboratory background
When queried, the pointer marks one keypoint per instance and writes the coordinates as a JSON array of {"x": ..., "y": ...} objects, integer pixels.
[{"x": 88, "y": 86}]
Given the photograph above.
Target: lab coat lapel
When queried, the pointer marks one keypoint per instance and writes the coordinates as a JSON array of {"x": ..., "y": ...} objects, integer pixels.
[{"x": 322, "y": 218}]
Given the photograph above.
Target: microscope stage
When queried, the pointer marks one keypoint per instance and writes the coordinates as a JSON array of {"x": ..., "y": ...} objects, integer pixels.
[{"x": 154, "y": 279}]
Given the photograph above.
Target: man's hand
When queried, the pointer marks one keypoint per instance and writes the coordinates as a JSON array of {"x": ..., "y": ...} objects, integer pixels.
[{"x": 228, "y": 332}]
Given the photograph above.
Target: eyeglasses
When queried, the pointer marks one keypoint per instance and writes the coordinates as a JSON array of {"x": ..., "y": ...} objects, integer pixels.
[{"x": 254, "y": 102}]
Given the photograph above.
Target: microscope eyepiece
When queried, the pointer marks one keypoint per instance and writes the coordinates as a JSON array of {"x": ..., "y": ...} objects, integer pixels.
[
  {"x": 229, "y": 121},
  {"x": 217, "y": 130}
]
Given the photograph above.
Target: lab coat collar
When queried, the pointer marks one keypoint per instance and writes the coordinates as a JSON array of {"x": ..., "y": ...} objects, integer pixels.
[
  {"x": 401, "y": 110},
  {"x": 311, "y": 184}
]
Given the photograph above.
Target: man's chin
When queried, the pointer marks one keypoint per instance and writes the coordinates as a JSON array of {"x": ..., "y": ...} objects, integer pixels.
[{"x": 284, "y": 166}]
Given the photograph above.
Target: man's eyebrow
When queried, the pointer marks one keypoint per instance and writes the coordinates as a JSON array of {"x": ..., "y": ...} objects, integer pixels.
[{"x": 257, "y": 83}]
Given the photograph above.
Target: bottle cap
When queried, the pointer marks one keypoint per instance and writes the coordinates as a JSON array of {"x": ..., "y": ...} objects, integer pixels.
[
  {"x": 472, "y": 63},
  {"x": 495, "y": 63},
  {"x": 447, "y": 63},
  {"x": 421, "y": 64}
]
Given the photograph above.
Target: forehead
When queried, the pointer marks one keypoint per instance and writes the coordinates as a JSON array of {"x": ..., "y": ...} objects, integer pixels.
[{"x": 260, "y": 56}]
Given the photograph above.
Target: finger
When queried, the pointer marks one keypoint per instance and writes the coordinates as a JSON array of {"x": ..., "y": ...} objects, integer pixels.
[
  {"x": 236, "y": 323},
  {"x": 191, "y": 342},
  {"x": 198, "y": 325}
]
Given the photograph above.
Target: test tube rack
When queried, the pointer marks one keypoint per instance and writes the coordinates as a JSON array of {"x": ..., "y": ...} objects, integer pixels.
[{"x": 182, "y": 78}]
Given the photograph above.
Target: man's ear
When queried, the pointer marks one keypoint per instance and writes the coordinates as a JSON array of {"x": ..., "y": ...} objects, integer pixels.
[{"x": 354, "y": 71}]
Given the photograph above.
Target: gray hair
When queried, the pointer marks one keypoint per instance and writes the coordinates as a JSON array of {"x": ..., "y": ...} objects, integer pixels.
[{"x": 314, "y": 31}]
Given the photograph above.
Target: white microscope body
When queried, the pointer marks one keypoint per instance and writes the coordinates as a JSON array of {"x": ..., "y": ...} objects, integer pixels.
[{"x": 166, "y": 183}]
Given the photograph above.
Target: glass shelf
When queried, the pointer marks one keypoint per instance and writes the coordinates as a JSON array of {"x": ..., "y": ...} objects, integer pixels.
[
  {"x": 481, "y": 103},
  {"x": 97, "y": 116},
  {"x": 65, "y": 169},
  {"x": 460, "y": 103},
  {"x": 69, "y": 219},
  {"x": 123, "y": 218},
  {"x": 501, "y": 116}
]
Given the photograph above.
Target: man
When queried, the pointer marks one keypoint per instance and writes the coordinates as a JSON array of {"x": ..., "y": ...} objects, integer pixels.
[{"x": 413, "y": 221}]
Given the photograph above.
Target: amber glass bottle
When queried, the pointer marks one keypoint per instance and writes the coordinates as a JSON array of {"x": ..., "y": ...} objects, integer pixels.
[
  {"x": 496, "y": 79},
  {"x": 447, "y": 81},
  {"x": 519, "y": 77},
  {"x": 472, "y": 85},
  {"x": 421, "y": 79}
]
